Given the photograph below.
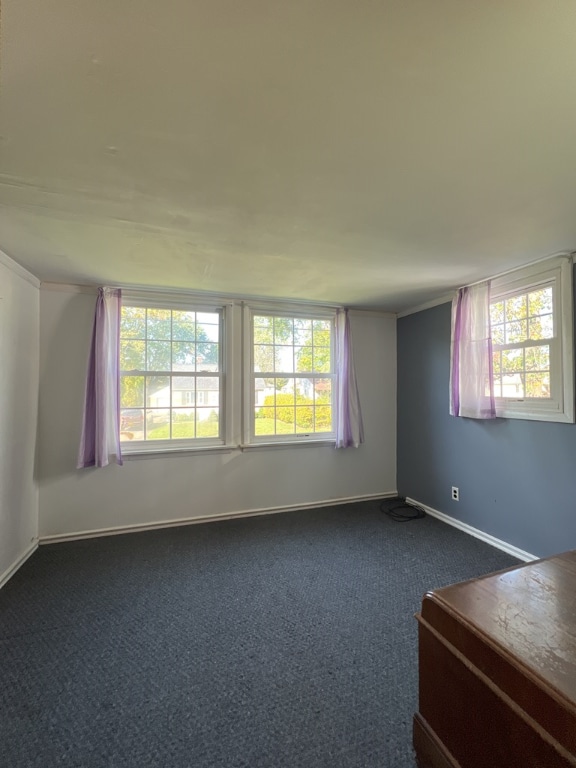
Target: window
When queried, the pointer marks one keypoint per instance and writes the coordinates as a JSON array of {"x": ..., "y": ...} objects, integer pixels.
[
  {"x": 531, "y": 329},
  {"x": 292, "y": 377},
  {"x": 171, "y": 379}
]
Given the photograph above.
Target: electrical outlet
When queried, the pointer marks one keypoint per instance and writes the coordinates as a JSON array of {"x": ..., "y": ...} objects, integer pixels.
[{"x": 455, "y": 493}]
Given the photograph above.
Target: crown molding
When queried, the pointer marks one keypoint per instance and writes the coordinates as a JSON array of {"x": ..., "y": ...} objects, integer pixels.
[
  {"x": 13, "y": 266},
  {"x": 427, "y": 305}
]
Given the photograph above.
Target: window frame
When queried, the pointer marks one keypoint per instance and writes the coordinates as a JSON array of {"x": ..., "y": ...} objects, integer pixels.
[
  {"x": 560, "y": 406},
  {"x": 187, "y": 304},
  {"x": 308, "y": 312}
]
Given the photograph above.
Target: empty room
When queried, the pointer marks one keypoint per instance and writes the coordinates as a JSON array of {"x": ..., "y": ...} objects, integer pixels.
[{"x": 287, "y": 423}]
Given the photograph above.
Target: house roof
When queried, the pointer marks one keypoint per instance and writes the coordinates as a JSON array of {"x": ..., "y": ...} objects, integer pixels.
[{"x": 370, "y": 153}]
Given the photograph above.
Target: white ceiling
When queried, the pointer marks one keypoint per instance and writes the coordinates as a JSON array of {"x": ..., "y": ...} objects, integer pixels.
[{"x": 367, "y": 152}]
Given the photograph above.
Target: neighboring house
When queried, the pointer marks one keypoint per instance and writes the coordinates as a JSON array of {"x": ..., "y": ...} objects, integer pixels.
[{"x": 187, "y": 391}]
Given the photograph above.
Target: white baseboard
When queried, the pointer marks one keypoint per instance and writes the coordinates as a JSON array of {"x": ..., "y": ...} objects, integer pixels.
[
  {"x": 9, "y": 572},
  {"x": 478, "y": 534},
  {"x": 210, "y": 518}
]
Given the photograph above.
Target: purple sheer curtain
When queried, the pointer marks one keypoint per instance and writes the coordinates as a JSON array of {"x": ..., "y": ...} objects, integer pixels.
[
  {"x": 349, "y": 426},
  {"x": 471, "y": 379},
  {"x": 101, "y": 424}
]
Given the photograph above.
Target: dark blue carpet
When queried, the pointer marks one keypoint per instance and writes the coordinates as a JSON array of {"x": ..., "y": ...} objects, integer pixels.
[{"x": 285, "y": 641}]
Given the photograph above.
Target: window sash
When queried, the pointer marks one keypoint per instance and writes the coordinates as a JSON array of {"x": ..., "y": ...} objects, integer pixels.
[
  {"x": 556, "y": 273},
  {"x": 171, "y": 442},
  {"x": 251, "y": 376}
]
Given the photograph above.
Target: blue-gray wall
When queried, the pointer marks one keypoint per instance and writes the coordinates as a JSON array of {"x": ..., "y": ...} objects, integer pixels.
[{"x": 517, "y": 479}]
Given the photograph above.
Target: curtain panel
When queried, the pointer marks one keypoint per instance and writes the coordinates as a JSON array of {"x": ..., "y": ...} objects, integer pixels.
[
  {"x": 471, "y": 379},
  {"x": 100, "y": 440},
  {"x": 349, "y": 425}
]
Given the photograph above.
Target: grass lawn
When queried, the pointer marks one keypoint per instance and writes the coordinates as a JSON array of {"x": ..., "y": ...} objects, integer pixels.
[{"x": 183, "y": 429}]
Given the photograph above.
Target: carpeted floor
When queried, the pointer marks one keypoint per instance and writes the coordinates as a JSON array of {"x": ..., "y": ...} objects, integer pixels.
[{"x": 285, "y": 641}]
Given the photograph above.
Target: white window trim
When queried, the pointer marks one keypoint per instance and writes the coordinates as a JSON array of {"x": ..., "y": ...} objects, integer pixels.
[
  {"x": 198, "y": 444},
  {"x": 250, "y": 439},
  {"x": 560, "y": 407}
]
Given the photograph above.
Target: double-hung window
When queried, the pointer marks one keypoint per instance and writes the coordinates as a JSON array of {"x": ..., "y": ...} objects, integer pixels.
[
  {"x": 290, "y": 371},
  {"x": 532, "y": 338},
  {"x": 171, "y": 375}
]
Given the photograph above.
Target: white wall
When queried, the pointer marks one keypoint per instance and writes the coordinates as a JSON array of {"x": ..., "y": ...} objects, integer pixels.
[
  {"x": 149, "y": 490},
  {"x": 19, "y": 354}
]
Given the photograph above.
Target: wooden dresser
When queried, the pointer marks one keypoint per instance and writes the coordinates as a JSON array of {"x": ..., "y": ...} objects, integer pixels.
[{"x": 497, "y": 671}]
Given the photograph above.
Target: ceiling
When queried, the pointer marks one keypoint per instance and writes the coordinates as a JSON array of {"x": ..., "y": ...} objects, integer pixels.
[{"x": 376, "y": 153}]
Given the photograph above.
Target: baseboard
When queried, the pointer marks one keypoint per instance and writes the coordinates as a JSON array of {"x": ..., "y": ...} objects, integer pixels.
[
  {"x": 210, "y": 518},
  {"x": 9, "y": 572},
  {"x": 478, "y": 534}
]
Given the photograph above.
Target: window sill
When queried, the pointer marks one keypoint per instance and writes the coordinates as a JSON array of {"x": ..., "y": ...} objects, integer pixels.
[
  {"x": 559, "y": 417},
  {"x": 151, "y": 453},
  {"x": 287, "y": 444}
]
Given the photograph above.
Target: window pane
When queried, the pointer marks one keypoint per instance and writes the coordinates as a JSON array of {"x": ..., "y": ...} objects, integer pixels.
[
  {"x": 323, "y": 418},
  {"x": 132, "y": 391},
  {"x": 497, "y": 386},
  {"x": 263, "y": 334},
  {"x": 516, "y": 308},
  {"x": 538, "y": 358},
  {"x": 133, "y": 323},
  {"x": 497, "y": 334},
  {"x": 513, "y": 385},
  {"x": 183, "y": 391},
  {"x": 302, "y": 331},
  {"x": 540, "y": 302},
  {"x": 322, "y": 359},
  {"x": 158, "y": 391},
  {"x": 158, "y": 355},
  {"x": 206, "y": 356},
  {"x": 322, "y": 391},
  {"x": 205, "y": 332},
  {"x": 497, "y": 312},
  {"x": 285, "y": 405},
  {"x": 264, "y": 418},
  {"x": 284, "y": 359},
  {"x": 541, "y": 327},
  {"x": 158, "y": 324},
  {"x": 516, "y": 331},
  {"x": 304, "y": 418},
  {"x": 183, "y": 356},
  {"x": 158, "y": 424},
  {"x": 496, "y": 363},
  {"x": 207, "y": 422},
  {"x": 263, "y": 358},
  {"x": 283, "y": 330},
  {"x": 287, "y": 387},
  {"x": 303, "y": 357},
  {"x": 131, "y": 424},
  {"x": 183, "y": 423},
  {"x": 132, "y": 355},
  {"x": 538, "y": 385},
  {"x": 513, "y": 359},
  {"x": 208, "y": 390},
  {"x": 259, "y": 391},
  {"x": 183, "y": 326},
  {"x": 304, "y": 388}
]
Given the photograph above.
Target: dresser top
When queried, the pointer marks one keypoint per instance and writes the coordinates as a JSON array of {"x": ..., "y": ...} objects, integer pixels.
[{"x": 528, "y": 612}]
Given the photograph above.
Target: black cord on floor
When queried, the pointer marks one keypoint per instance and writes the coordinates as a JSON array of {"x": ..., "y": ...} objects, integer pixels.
[{"x": 400, "y": 511}]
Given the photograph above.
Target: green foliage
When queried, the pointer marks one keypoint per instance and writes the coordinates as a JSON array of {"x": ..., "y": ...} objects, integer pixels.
[
  {"x": 163, "y": 339},
  {"x": 305, "y": 342},
  {"x": 527, "y": 316},
  {"x": 298, "y": 412},
  {"x": 185, "y": 429}
]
